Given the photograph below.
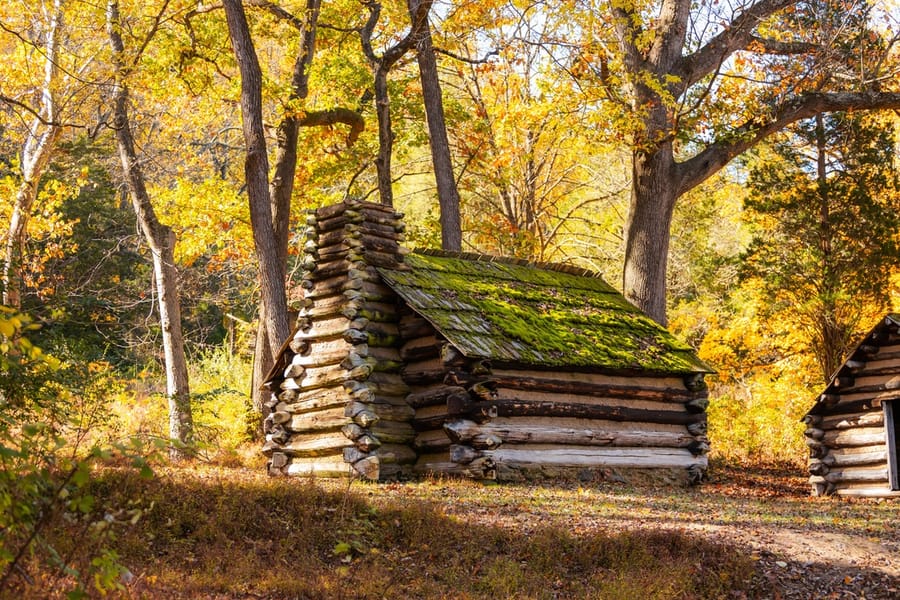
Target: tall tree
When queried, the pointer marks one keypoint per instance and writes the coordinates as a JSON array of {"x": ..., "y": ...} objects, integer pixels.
[
  {"x": 273, "y": 300},
  {"x": 381, "y": 67},
  {"x": 448, "y": 194},
  {"x": 669, "y": 68},
  {"x": 825, "y": 201},
  {"x": 159, "y": 237},
  {"x": 295, "y": 115},
  {"x": 41, "y": 136}
]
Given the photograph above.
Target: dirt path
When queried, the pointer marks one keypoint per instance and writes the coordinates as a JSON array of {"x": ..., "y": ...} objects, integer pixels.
[
  {"x": 803, "y": 547},
  {"x": 813, "y": 547}
]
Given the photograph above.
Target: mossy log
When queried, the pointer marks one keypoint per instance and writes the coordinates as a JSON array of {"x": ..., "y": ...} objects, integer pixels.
[
  {"x": 395, "y": 454},
  {"x": 387, "y": 432},
  {"x": 387, "y": 384},
  {"x": 389, "y": 412}
]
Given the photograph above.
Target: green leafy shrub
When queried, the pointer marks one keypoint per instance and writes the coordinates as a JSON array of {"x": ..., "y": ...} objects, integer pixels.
[{"x": 52, "y": 432}]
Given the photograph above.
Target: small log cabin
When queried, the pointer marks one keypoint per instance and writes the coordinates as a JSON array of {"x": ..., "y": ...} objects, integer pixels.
[
  {"x": 406, "y": 364},
  {"x": 853, "y": 428}
]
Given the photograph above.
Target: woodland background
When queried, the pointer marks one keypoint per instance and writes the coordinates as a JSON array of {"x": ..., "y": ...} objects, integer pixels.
[{"x": 130, "y": 166}]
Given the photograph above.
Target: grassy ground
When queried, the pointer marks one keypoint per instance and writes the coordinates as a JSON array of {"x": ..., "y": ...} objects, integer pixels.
[{"x": 231, "y": 532}]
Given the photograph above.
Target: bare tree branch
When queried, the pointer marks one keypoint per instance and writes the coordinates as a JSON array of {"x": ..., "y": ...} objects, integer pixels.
[{"x": 699, "y": 168}]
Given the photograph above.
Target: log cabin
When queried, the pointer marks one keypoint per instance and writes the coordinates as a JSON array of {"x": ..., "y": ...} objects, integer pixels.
[
  {"x": 414, "y": 363},
  {"x": 852, "y": 430}
]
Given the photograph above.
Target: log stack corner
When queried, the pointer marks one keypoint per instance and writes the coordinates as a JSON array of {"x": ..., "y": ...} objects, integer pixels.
[
  {"x": 406, "y": 364},
  {"x": 852, "y": 428}
]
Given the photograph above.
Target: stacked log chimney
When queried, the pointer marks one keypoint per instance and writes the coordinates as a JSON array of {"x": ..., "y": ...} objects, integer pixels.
[{"x": 338, "y": 401}]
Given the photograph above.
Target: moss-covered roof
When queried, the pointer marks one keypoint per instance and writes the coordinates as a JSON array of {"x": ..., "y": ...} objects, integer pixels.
[{"x": 543, "y": 316}]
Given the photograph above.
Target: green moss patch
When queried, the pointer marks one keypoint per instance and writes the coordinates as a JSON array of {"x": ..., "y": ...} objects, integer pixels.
[{"x": 537, "y": 315}]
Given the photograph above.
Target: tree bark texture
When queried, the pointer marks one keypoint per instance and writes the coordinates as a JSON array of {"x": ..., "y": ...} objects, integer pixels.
[
  {"x": 161, "y": 240},
  {"x": 381, "y": 66},
  {"x": 256, "y": 167},
  {"x": 658, "y": 179},
  {"x": 448, "y": 194}
]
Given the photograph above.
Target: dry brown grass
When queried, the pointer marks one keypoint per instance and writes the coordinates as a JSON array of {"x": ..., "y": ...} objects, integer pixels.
[{"x": 226, "y": 532}]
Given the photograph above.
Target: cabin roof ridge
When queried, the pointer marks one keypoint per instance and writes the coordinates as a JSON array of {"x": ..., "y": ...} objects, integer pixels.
[{"x": 509, "y": 260}]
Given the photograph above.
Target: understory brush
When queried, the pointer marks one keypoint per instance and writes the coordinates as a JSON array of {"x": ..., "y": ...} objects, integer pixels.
[
  {"x": 214, "y": 532},
  {"x": 54, "y": 427}
]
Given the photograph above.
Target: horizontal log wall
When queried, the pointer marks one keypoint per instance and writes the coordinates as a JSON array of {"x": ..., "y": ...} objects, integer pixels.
[
  {"x": 424, "y": 372},
  {"x": 511, "y": 423},
  {"x": 847, "y": 437},
  {"x": 341, "y": 407}
]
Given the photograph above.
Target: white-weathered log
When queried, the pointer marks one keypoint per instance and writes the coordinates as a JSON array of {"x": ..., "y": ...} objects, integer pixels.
[
  {"x": 321, "y": 444},
  {"x": 595, "y": 457},
  {"x": 333, "y": 418},
  {"x": 861, "y": 436},
  {"x": 511, "y": 431},
  {"x": 318, "y": 467},
  {"x": 862, "y": 474},
  {"x": 862, "y": 458},
  {"x": 868, "y": 492},
  {"x": 510, "y": 393},
  {"x": 871, "y": 418}
]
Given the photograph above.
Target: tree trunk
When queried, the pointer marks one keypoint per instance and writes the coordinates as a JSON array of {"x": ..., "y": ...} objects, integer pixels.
[
  {"x": 256, "y": 167},
  {"x": 15, "y": 242},
  {"x": 40, "y": 143},
  {"x": 161, "y": 240},
  {"x": 653, "y": 195},
  {"x": 448, "y": 195},
  {"x": 385, "y": 136}
]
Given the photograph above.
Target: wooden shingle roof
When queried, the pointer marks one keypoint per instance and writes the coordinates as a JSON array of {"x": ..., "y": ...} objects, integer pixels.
[
  {"x": 841, "y": 389},
  {"x": 546, "y": 316}
]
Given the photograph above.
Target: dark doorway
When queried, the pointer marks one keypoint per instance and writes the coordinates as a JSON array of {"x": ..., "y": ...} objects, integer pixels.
[{"x": 892, "y": 428}]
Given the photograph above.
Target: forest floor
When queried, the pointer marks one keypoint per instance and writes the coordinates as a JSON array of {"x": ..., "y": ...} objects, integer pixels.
[
  {"x": 227, "y": 532},
  {"x": 804, "y": 547},
  {"x": 801, "y": 547}
]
